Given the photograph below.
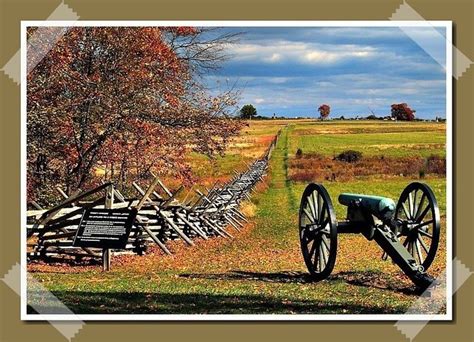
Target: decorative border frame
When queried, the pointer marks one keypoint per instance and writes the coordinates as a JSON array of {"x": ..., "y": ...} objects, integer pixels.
[{"x": 68, "y": 315}]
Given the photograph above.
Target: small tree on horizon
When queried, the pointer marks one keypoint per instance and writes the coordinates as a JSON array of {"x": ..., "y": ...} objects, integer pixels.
[
  {"x": 402, "y": 112},
  {"x": 324, "y": 111},
  {"x": 248, "y": 112}
]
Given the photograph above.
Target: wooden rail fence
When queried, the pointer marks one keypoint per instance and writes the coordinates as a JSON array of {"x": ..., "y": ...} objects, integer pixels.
[{"x": 161, "y": 216}]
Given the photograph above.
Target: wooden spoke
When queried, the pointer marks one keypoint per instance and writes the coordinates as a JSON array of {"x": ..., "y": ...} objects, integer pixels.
[
  {"x": 420, "y": 205},
  {"x": 410, "y": 248},
  {"x": 325, "y": 243},
  {"x": 406, "y": 243},
  {"x": 308, "y": 215},
  {"x": 320, "y": 206},
  {"x": 325, "y": 231},
  {"x": 323, "y": 253},
  {"x": 410, "y": 204},
  {"x": 406, "y": 211},
  {"x": 423, "y": 244},
  {"x": 315, "y": 205},
  {"x": 422, "y": 215},
  {"x": 316, "y": 249},
  {"x": 424, "y": 224},
  {"x": 311, "y": 207},
  {"x": 322, "y": 265},
  {"x": 313, "y": 247},
  {"x": 415, "y": 208},
  {"x": 424, "y": 233},
  {"x": 418, "y": 252},
  {"x": 322, "y": 216}
]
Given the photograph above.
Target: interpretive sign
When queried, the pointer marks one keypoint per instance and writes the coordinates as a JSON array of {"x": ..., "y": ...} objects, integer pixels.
[{"x": 105, "y": 228}]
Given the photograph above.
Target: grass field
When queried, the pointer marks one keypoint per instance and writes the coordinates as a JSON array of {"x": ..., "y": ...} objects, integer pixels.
[
  {"x": 262, "y": 270},
  {"x": 389, "y": 138}
]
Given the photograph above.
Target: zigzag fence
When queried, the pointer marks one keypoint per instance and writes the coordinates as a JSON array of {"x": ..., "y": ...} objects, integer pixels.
[{"x": 161, "y": 217}]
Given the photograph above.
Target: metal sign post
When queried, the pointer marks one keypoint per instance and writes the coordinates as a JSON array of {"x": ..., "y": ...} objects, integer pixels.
[{"x": 109, "y": 203}]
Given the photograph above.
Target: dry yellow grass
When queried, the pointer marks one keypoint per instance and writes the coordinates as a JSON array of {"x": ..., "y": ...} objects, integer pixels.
[{"x": 248, "y": 209}]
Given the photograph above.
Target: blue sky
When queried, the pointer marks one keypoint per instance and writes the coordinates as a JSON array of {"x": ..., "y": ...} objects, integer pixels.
[{"x": 291, "y": 71}]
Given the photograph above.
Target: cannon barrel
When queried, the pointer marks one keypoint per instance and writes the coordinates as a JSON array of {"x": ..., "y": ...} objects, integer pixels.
[{"x": 381, "y": 207}]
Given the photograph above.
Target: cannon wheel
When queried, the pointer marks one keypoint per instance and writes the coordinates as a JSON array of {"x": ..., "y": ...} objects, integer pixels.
[
  {"x": 417, "y": 208},
  {"x": 318, "y": 231}
]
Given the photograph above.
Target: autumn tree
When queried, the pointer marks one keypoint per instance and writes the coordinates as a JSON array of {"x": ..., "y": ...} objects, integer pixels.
[
  {"x": 126, "y": 99},
  {"x": 324, "y": 111},
  {"x": 402, "y": 111},
  {"x": 248, "y": 111}
]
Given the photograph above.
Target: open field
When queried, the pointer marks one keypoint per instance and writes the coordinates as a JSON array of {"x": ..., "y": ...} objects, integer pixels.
[
  {"x": 399, "y": 139},
  {"x": 249, "y": 145},
  {"x": 262, "y": 270}
]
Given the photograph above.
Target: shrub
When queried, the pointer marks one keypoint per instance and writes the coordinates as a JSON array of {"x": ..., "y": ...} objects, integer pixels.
[
  {"x": 303, "y": 176},
  {"x": 299, "y": 153},
  {"x": 436, "y": 164},
  {"x": 349, "y": 156}
]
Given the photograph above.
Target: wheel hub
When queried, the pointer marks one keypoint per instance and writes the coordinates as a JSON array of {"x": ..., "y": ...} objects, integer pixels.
[{"x": 408, "y": 227}]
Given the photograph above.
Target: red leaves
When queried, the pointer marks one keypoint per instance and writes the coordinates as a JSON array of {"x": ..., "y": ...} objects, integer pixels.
[
  {"x": 324, "y": 111},
  {"x": 402, "y": 111},
  {"x": 123, "y": 100},
  {"x": 183, "y": 30},
  {"x": 186, "y": 31}
]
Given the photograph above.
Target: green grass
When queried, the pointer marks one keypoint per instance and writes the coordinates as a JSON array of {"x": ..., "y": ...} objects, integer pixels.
[
  {"x": 241, "y": 151},
  {"x": 203, "y": 166},
  {"x": 389, "y": 139},
  {"x": 260, "y": 271}
]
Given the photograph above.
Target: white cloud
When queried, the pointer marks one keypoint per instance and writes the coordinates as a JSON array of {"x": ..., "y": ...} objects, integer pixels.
[
  {"x": 277, "y": 80},
  {"x": 283, "y": 50},
  {"x": 319, "y": 56},
  {"x": 324, "y": 56},
  {"x": 259, "y": 100},
  {"x": 275, "y": 57}
]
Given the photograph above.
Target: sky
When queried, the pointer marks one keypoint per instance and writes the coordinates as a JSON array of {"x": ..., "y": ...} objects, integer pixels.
[{"x": 357, "y": 71}]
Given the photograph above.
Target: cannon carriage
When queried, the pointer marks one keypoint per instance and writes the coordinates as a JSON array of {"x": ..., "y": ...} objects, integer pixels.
[{"x": 407, "y": 231}]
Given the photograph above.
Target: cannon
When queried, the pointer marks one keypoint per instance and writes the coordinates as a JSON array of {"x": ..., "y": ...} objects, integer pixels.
[{"x": 407, "y": 231}]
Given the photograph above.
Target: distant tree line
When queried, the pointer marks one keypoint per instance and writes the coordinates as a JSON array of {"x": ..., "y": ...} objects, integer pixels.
[{"x": 399, "y": 112}]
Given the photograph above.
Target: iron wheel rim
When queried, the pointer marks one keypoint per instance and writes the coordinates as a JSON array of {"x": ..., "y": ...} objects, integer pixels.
[
  {"x": 318, "y": 231},
  {"x": 417, "y": 210}
]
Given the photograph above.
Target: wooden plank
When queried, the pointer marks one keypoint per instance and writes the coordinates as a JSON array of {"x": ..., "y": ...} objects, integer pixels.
[
  {"x": 155, "y": 239},
  {"x": 192, "y": 226},
  {"x": 49, "y": 214},
  {"x": 165, "y": 189},
  {"x": 147, "y": 193},
  {"x": 176, "y": 228},
  {"x": 173, "y": 196}
]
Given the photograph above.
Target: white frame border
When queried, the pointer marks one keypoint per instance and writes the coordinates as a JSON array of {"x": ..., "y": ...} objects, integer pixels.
[{"x": 447, "y": 24}]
